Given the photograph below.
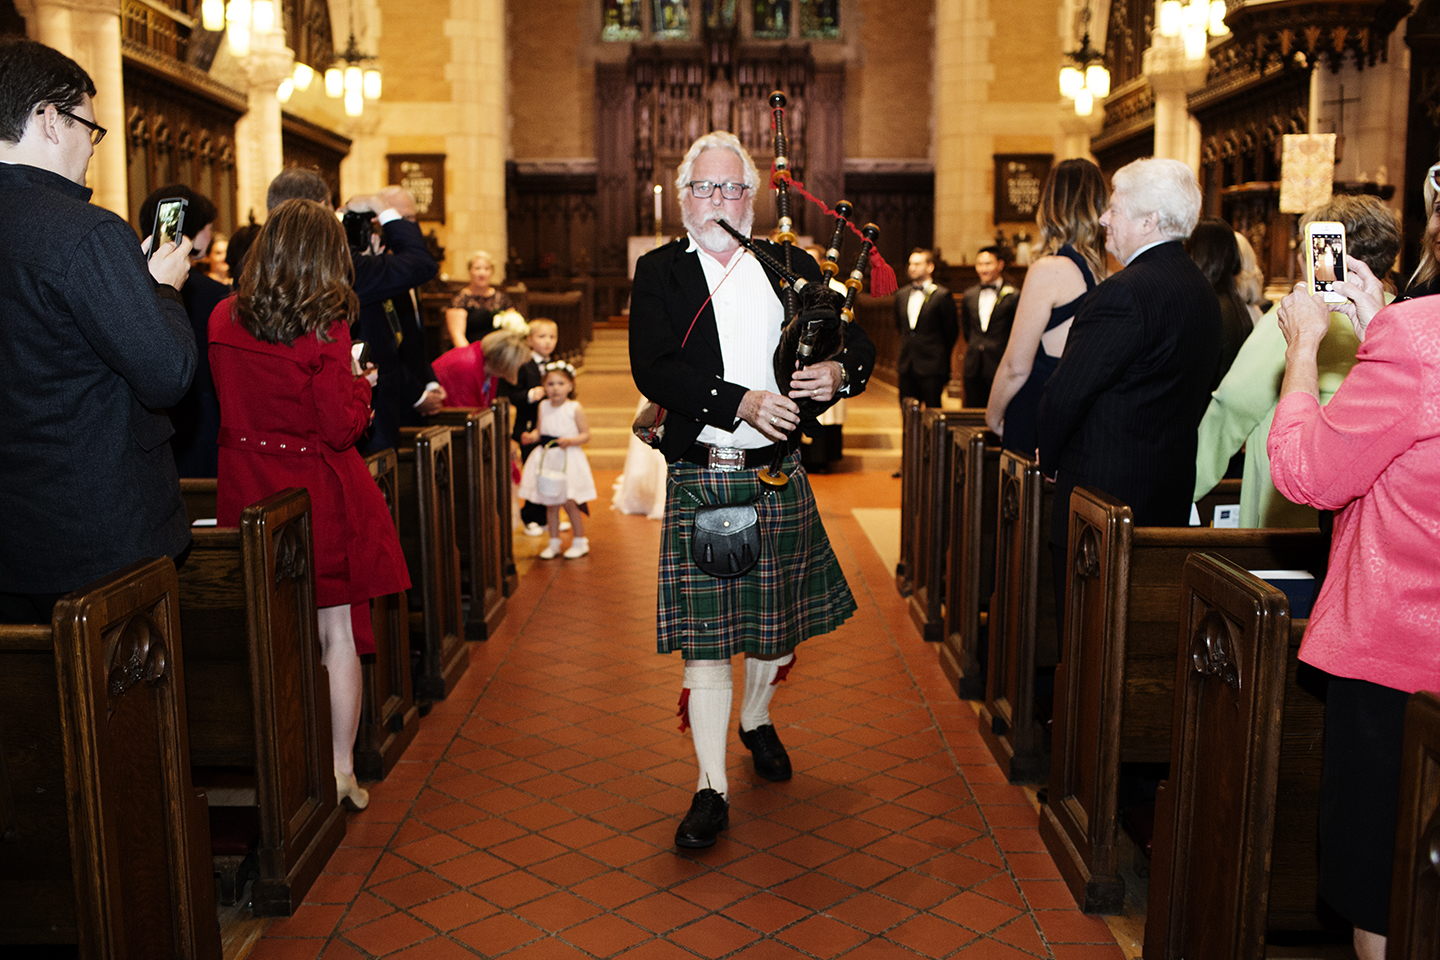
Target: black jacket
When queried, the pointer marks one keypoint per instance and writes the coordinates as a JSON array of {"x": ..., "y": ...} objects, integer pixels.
[
  {"x": 93, "y": 354},
  {"x": 925, "y": 351},
  {"x": 668, "y": 293},
  {"x": 1121, "y": 411}
]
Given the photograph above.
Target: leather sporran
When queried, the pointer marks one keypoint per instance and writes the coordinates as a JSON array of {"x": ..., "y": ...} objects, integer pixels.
[{"x": 725, "y": 541}]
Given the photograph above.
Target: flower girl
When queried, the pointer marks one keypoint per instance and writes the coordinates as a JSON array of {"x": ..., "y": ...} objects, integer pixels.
[{"x": 556, "y": 472}]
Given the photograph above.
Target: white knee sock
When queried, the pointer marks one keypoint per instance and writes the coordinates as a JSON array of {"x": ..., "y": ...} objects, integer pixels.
[
  {"x": 759, "y": 688},
  {"x": 711, "y": 689}
]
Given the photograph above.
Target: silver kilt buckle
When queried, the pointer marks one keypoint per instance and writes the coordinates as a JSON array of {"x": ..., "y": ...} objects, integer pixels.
[{"x": 726, "y": 459}]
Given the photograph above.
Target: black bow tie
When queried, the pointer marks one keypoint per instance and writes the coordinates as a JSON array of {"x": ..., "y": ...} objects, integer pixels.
[
  {"x": 990, "y": 286},
  {"x": 918, "y": 287}
]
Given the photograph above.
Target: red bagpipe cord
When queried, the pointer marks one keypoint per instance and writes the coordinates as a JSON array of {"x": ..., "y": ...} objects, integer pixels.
[{"x": 882, "y": 276}]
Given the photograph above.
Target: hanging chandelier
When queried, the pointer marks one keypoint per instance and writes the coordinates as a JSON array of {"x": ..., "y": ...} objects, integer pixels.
[
  {"x": 1196, "y": 21},
  {"x": 354, "y": 81},
  {"x": 1084, "y": 78}
]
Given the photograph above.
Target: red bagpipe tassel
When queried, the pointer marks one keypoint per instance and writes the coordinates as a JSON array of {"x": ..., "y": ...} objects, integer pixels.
[
  {"x": 882, "y": 275},
  {"x": 684, "y": 712},
  {"x": 783, "y": 671}
]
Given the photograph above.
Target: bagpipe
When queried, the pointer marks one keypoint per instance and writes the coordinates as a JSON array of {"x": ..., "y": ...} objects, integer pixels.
[{"x": 816, "y": 316}]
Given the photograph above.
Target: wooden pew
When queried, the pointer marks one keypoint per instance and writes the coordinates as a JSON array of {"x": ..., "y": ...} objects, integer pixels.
[
  {"x": 910, "y": 409},
  {"x": 477, "y": 515},
  {"x": 504, "y": 423},
  {"x": 104, "y": 842},
  {"x": 932, "y": 522},
  {"x": 257, "y": 695},
  {"x": 1022, "y": 621},
  {"x": 427, "y": 536},
  {"x": 1114, "y": 688},
  {"x": 973, "y": 500},
  {"x": 1415, "y": 892},
  {"x": 389, "y": 717},
  {"x": 1235, "y": 824}
]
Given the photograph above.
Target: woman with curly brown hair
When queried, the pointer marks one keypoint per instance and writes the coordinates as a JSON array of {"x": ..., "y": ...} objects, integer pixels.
[{"x": 291, "y": 409}]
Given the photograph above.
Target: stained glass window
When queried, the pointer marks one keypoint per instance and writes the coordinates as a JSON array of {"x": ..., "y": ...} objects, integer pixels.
[
  {"x": 719, "y": 13},
  {"x": 672, "y": 20},
  {"x": 621, "y": 20},
  {"x": 820, "y": 19},
  {"x": 772, "y": 19}
]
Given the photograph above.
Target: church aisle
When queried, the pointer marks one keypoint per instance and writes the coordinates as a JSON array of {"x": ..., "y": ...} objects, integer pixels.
[{"x": 533, "y": 816}]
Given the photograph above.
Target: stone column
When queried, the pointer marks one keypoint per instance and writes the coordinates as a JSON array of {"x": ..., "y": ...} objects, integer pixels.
[
  {"x": 258, "y": 149},
  {"x": 89, "y": 33},
  {"x": 1172, "y": 76},
  {"x": 477, "y": 146},
  {"x": 963, "y": 158},
  {"x": 364, "y": 170}
]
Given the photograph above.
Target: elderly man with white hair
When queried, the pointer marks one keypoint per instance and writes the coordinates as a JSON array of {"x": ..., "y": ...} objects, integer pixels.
[
  {"x": 1120, "y": 412},
  {"x": 705, "y": 319}
]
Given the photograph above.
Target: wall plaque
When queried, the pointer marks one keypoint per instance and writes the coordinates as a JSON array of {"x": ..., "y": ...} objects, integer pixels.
[
  {"x": 1018, "y": 179},
  {"x": 423, "y": 174}
]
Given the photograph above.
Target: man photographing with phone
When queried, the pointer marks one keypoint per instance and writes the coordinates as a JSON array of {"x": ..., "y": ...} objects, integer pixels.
[{"x": 95, "y": 345}]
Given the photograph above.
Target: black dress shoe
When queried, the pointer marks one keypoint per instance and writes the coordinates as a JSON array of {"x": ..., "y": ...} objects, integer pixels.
[
  {"x": 709, "y": 814},
  {"x": 771, "y": 760}
]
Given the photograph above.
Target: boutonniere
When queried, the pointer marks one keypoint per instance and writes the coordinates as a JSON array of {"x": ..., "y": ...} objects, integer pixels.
[{"x": 1005, "y": 291}]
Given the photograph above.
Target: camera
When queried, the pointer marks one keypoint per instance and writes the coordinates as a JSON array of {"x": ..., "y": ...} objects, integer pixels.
[
  {"x": 169, "y": 222},
  {"x": 357, "y": 230},
  {"x": 1325, "y": 258}
]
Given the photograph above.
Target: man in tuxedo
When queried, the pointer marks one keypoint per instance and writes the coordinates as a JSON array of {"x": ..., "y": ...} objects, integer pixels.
[
  {"x": 925, "y": 317},
  {"x": 705, "y": 319},
  {"x": 987, "y": 311},
  {"x": 96, "y": 345},
  {"x": 407, "y": 391},
  {"x": 1121, "y": 411}
]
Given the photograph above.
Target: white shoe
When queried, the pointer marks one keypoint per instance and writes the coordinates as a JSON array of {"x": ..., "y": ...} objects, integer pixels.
[
  {"x": 347, "y": 789},
  {"x": 534, "y": 530},
  {"x": 551, "y": 551},
  {"x": 564, "y": 525},
  {"x": 578, "y": 548}
]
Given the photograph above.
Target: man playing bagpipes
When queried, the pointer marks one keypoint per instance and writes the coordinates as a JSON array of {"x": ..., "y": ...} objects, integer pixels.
[{"x": 745, "y": 565}]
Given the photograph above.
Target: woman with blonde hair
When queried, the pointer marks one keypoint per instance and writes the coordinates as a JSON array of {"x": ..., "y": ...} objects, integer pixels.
[
  {"x": 1072, "y": 262},
  {"x": 471, "y": 314},
  {"x": 1425, "y": 281},
  {"x": 291, "y": 409}
]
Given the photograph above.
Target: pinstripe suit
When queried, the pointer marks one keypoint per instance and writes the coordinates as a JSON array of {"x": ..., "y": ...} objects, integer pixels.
[{"x": 1121, "y": 411}]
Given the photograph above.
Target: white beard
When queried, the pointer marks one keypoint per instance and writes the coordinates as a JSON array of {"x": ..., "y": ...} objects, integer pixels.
[{"x": 711, "y": 235}]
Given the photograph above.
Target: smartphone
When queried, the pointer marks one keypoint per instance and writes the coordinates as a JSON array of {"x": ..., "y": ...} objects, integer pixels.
[
  {"x": 357, "y": 230},
  {"x": 169, "y": 222},
  {"x": 359, "y": 356},
  {"x": 1325, "y": 258}
]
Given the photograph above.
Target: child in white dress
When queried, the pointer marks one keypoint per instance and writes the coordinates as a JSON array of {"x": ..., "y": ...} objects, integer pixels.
[{"x": 561, "y": 430}]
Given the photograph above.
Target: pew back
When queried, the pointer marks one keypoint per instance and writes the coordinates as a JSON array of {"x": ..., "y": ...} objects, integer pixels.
[
  {"x": 1415, "y": 892},
  {"x": 1115, "y": 683},
  {"x": 932, "y": 521},
  {"x": 92, "y": 708},
  {"x": 910, "y": 410},
  {"x": 1215, "y": 816},
  {"x": 477, "y": 517},
  {"x": 1022, "y": 620},
  {"x": 389, "y": 718},
  {"x": 504, "y": 499},
  {"x": 427, "y": 536},
  {"x": 258, "y": 697},
  {"x": 972, "y": 496}
]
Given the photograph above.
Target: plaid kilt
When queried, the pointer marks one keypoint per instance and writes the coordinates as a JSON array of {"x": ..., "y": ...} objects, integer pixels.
[{"x": 794, "y": 591}]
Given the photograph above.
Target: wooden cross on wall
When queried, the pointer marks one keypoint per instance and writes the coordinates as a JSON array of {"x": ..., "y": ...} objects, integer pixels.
[{"x": 1340, "y": 123}]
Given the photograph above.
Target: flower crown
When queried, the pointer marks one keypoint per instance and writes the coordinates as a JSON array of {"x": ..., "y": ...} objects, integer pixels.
[
  {"x": 560, "y": 365},
  {"x": 510, "y": 319}
]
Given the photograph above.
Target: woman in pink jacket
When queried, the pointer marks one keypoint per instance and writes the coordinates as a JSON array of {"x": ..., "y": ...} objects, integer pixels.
[{"x": 1372, "y": 455}]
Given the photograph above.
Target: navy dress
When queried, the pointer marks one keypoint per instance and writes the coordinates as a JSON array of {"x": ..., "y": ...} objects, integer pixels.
[{"x": 1022, "y": 416}]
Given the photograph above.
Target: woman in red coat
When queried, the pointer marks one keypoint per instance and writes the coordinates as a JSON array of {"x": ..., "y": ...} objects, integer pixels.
[{"x": 291, "y": 409}]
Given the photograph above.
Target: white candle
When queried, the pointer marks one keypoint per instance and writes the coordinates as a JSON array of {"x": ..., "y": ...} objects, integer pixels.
[{"x": 658, "y": 215}]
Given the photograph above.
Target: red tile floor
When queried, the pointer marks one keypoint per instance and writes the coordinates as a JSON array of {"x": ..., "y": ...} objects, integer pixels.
[{"x": 533, "y": 816}]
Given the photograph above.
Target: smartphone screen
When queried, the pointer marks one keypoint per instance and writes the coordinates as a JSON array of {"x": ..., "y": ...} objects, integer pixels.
[
  {"x": 1327, "y": 259},
  {"x": 169, "y": 222}
]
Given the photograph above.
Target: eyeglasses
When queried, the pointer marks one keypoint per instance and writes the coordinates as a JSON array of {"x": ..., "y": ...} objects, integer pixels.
[
  {"x": 705, "y": 189},
  {"x": 97, "y": 132}
]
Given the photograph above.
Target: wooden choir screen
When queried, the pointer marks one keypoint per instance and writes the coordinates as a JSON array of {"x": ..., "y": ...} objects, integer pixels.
[{"x": 651, "y": 108}]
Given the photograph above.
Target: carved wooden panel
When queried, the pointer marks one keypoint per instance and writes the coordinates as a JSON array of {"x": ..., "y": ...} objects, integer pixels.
[
  {"x": 311, "y": 146},
  {"x": 180, "y": 128},
  {"x": 553, "y": 220},
  {"x": 308, "y": 32},
  {"x": 902, "y": 205}
]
